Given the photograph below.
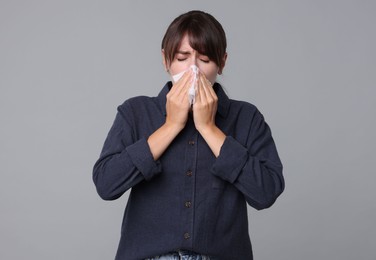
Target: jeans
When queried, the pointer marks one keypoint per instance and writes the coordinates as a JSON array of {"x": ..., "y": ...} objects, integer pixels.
[{"x": 181, "y": 255}]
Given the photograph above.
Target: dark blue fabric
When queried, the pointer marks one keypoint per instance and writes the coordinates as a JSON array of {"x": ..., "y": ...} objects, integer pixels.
[{"x": 188, "y": 199}]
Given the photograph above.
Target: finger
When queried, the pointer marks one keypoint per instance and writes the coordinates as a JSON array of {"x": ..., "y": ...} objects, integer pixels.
[
  {"x": 178, "y": 87},
  {"x": 183, "y": 93},
  {"x": 199, "y": 88},
  {"x": 205, "y": 88},
  {"x": 181, "y": 81},
  {"x": 209, "y": 92},
  {"x": 185, "y": 74},
  {"x": 200, "y": 93},
  {"x": 205, "y": 81}
]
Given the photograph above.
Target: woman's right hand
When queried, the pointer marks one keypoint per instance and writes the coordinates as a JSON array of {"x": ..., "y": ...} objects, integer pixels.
[
  {"x": 177, "y": 109},
  {"x": 177, "y": 105}
]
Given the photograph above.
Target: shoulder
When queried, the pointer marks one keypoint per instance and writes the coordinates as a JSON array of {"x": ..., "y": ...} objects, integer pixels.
[
  {"x": 244, "y": 109},
  {"x": 146, "y": 103},
  {"x": 137, "y": 103}
]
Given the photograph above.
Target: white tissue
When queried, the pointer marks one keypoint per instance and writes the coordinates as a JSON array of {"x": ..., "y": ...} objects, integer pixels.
[
  {"x": 176, "y": 77},
  {"x": 192, "y": 89}
]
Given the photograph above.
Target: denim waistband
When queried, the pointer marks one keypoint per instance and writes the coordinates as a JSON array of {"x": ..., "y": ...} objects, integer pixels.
[{"x": 181, "y": 255}]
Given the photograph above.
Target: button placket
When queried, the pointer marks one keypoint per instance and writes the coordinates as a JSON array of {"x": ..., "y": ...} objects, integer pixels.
[
  {"x": 189, "y": 187},
  {"x": 191, "y": 142},
  {"x": 188, "y": 204}
]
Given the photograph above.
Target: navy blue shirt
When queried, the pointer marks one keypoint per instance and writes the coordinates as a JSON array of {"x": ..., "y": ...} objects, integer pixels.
[{"x": 188, "y": 199}]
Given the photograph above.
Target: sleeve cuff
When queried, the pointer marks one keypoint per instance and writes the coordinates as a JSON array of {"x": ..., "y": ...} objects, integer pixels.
[
  {"x": 142, "y": 158},
  {"x": 231, "y": 160}
]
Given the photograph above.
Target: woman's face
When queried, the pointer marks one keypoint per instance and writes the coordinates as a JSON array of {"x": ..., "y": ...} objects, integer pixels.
[{"x": 187, "y": 56}]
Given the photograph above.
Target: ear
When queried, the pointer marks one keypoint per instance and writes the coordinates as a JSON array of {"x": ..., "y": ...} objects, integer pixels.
[
  {"x": 223, "y": 64},
  {"x": 164, "y": 60}
]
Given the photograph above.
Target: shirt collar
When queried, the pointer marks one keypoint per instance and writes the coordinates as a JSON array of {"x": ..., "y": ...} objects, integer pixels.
[{"x": 223, "y": 100}]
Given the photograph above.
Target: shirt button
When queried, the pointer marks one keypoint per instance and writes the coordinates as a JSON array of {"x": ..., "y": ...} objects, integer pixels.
[
  {"x": 187, "y": 236},
  {"x": 191, "y": 142},
  {"x": 188, "y": 204},
  {"x": 189, "y": 173}
]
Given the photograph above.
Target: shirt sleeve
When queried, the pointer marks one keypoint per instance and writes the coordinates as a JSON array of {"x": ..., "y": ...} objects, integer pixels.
[
  {"x": 254, "y": 168},
  {"x": 123, "y": 161}
]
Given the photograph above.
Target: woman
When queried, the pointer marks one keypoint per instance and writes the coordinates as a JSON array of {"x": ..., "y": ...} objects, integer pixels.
[{"x": 193, "y": 161}]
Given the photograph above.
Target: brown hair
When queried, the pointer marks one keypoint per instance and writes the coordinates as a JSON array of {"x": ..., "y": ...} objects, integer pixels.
[{"x": 205, "y": 34}]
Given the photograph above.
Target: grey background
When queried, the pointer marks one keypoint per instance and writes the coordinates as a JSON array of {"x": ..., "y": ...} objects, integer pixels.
[{"x": 65, "y": 66}]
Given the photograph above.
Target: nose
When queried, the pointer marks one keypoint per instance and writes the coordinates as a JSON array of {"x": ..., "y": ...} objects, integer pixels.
[{"x": 194, "y": 60}]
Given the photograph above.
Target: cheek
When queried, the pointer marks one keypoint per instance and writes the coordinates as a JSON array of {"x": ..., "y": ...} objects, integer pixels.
[
  {"x": 176, "y": 68},
  {"x": 211, "y": 74}
]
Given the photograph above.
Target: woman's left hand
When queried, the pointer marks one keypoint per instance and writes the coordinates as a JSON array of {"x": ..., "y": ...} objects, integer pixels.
[
  {"x": 204, "y": 111},
  {"x": 205, "y": 106}
]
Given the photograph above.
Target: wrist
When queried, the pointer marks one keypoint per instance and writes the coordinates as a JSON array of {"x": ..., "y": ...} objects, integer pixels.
[
  {"x": 173, "y": 127},
  {"x": 207, "y": 130},
  {"x": 214, "y": 137}
]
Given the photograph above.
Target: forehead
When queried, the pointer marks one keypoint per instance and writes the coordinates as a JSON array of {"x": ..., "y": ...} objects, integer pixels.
[
  {"x": 184, "y": 43},
  {"x": 185, "y": 46}
]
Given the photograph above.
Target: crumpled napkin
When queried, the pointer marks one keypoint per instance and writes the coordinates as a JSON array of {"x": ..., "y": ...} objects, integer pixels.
[{"x": 193, "y": 88}]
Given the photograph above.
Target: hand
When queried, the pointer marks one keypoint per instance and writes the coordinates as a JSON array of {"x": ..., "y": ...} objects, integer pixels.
[
  {"x": 177, "y": 104},
  {"x": 205, "y": 106},
  {"x": 177, "y": 109},
  {"x": 204, "y": 111}
]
